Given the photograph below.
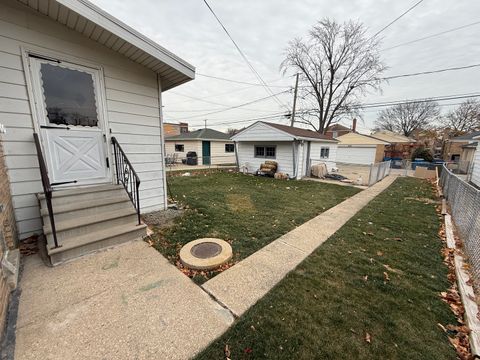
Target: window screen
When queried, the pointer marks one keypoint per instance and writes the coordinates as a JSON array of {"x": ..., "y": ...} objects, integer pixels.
[{"x": 69, "y": 96}]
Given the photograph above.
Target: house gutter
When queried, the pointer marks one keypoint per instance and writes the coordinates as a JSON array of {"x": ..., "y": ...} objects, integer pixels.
[
  {"x": 236, "y": 155},
  {"x": 294, "y": 177}
]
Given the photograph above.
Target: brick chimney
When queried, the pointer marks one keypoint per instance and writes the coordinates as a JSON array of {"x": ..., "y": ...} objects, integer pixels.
[{"x": 354, "y": 125}]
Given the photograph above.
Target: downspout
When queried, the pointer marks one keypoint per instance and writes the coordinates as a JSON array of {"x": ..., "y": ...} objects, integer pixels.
[
  {"x": 236, "y": 155},
  {"x": 294, "y": 161},
  {"x": 162, "y": 142}
]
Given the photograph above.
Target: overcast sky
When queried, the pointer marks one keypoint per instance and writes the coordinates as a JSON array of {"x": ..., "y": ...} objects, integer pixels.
[{"x": 263, "y": 28}]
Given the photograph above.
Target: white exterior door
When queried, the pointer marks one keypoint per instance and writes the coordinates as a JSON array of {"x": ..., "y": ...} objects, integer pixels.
[{"x": 71, "y": 125}]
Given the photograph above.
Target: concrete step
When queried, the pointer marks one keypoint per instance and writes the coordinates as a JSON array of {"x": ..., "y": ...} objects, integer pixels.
[
  {"x": 83, "y": 194},
  {"x": 91, "y": 242},
  {"x": 79, "y": 209},
  {"x": 70, "y": 228}
]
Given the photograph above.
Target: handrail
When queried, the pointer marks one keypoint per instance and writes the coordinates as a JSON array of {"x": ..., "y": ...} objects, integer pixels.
[
  {"x": 47, "y": 187},
  {"x": 127, "y": 176}
]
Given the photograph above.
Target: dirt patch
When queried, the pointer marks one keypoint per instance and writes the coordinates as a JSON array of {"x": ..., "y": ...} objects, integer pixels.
[
  {"x": 238, "y": 202},
  {"x": 162, "y": 219}
]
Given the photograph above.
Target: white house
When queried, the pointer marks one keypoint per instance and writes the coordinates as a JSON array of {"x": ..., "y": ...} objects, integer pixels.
[
  {"x": 211, "y": 146},
  {"x": 355, "y": 148},
  {"x": 294, "y": 149},
  {"x": 476, "y": 164},
  {"x": 78, "y": 78}
]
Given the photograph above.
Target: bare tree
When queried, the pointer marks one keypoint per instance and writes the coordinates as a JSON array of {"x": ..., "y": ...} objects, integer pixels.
[
  {"x": 407, "y": 117},
  {"x": 464, "y": 118},
  {"x": 232, "y": 131},
  {"x": 337, "y": 64}
]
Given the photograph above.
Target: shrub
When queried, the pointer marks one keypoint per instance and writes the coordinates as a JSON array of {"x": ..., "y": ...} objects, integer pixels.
[{"x": 422, "y": 153}]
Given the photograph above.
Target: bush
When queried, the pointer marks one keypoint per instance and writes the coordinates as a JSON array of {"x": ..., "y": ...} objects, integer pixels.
[{"x": 422, "y": 153}]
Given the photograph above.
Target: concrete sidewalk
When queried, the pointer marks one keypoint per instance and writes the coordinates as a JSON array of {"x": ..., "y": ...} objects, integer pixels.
[
  {"x": 241, "y": 286},
  {"x": 124, "y": 303}
]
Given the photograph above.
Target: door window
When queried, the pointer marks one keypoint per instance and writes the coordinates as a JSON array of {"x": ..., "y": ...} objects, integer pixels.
[{"x": 69, "y": 96}]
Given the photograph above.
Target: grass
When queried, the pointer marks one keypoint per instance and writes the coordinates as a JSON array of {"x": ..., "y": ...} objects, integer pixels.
[
  {"x": 325, "y": 308},
  {"x": 248, "y": 212}
]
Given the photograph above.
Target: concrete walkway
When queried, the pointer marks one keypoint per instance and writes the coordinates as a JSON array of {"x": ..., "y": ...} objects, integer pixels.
[
  {"x": 241, "y": 286},
  {"x": 124, "y": 303}
]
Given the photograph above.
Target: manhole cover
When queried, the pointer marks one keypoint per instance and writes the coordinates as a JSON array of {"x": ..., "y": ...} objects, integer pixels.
[
  {"x": 204, "y": 254},
  {"x": 206, "y": 250}
]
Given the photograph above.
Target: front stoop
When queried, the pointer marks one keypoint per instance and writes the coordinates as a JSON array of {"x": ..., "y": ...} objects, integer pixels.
[{"x": 89, "y": 219}]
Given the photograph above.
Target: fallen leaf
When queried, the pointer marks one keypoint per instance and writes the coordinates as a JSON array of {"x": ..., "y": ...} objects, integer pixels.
[
  {"x": 368, "y": 338},
  {"x": 379, "y": 253},
  {"x": 385, "y": 275},
  {"x": 226, "y": 351},
  {"x": 365, "y": 278}
]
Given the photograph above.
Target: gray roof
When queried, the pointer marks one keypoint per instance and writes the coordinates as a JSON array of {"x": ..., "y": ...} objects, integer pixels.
[
  {"x": 202, "y": 134},
  {"x": 467, "y": 137}
]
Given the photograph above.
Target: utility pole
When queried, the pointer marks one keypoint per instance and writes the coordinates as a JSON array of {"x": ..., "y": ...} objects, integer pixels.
[
  {"x": 292, "y": 120},
  {"x": 205, "y": 123}
]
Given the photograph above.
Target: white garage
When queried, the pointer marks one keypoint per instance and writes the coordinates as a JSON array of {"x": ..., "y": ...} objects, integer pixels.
[{"x": 354, "y": 148}]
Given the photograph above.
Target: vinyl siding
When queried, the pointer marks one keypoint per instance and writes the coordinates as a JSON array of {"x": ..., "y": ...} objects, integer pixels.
[
  {"x": 315, "y": 151},
  {"x": 476, "y": 167},
  {"x": 217, "y": 150},
  {"x": 262, "y": 132},
  {"x": 132, "y": 106},
  {"x": 248, "y": 161}
]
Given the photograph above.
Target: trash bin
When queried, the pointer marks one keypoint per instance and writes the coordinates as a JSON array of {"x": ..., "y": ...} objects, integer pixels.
[{"x": 192, "y": 158}]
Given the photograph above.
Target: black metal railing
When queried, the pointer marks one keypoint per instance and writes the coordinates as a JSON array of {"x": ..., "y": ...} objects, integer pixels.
[
  {"x": 47, "y": 187},
  {"x": 126, "y": 175}
]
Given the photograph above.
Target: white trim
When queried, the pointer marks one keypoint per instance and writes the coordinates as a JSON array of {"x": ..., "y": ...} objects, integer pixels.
[{"x": 125, "y": 32}]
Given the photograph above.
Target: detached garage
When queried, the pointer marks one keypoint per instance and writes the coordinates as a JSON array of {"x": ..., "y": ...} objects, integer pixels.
[
  {"x": 293, "y": 149},
  {"x": 355, "y": 148}
]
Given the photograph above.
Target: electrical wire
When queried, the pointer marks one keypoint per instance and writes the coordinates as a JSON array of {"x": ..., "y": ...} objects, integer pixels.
[
  {"x": 239, "y": 81},
  {"x": 397, "y": 18},
  {"x": 257, "y": 75},
  {"x": 431, "y": 36}
]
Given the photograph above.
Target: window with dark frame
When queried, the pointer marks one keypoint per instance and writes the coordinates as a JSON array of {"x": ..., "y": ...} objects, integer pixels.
[
  {"x": 179, "y": 148},
  {"x": 229, "y": 148},
  {"x": 324, "y": 152},
  {"x": 268, "y": 152}
]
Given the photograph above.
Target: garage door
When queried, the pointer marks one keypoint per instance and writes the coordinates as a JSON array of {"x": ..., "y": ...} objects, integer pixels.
[{"x": 356, "y": 155}]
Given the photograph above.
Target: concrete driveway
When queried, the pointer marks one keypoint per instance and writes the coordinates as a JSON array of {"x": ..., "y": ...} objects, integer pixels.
[{"x": 124, "y": 303}]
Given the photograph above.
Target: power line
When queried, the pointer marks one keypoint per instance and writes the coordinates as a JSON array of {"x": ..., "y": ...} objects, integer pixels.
[
  {"x": 239, "y": 81},
  {"x": 257, "y": 75},
  {"x": 397, "y": 18},
  {"x": 431, "y": 72},
  {"x": 432, "y": 36},
  {"x": 273, "y": 116},
  {"x": 236, "y": 106}
]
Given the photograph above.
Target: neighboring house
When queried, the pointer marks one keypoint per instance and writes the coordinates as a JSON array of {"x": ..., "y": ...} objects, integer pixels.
[
  {"x": 336, "y": 130},
  {"x": 77, "y": 78},
  {"x": 294, "y": 149},
  {"x": 460, "y": 147},
  {"x": 212, "y": 147},
  {"x": 172, "y": 129},
  {"x": 355, "y": 148},
  {"x": 475, "y": 178},
  {"x": 400, "y": 145}
]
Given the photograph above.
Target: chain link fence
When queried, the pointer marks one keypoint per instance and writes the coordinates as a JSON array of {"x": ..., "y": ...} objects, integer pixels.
[{"x": 464, "y": 201}]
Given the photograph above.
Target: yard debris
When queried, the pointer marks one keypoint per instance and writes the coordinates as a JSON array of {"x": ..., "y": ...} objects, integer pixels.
[
  {"x": 379, "y": 253},
  {"x": 386, "y": 277},
  {"x": 29, "y": 246},
  {"x": 365, "y": 278}
]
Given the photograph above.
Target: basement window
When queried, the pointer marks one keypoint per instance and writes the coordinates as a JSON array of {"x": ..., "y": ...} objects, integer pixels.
[
  {"x": 229, "y": 148},
  {"x": 179, "y": 148},
  {"x": 324, "y": 152}
]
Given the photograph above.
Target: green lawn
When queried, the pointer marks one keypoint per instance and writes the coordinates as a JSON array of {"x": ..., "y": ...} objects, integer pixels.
[
  {"x": 380, "y": 274},
  {"x": 249, "y": 212}
]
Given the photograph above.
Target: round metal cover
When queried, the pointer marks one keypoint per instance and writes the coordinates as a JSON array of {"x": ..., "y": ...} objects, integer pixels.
[{"x": 206, "y": 250}]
